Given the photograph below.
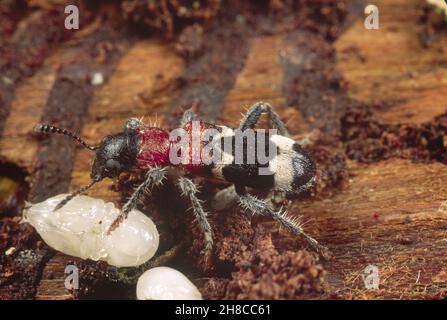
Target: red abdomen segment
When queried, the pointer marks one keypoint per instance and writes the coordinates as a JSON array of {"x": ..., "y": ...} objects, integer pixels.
[{"x": 153, "y": 147}]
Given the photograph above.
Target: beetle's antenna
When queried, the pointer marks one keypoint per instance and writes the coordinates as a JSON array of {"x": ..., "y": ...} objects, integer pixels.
[
  {"x": 52, "y": 129},
  {"x": 75, "y": 194}
]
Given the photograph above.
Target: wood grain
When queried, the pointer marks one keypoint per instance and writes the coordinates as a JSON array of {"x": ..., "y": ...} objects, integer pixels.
[{"x": 392, "y": 215}]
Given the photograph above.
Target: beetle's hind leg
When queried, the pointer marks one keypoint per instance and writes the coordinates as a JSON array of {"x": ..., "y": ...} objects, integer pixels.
[
  {"x": 260, "y": 207},
  {"x": 252, "y": 116},
  {"x": 189, "y": 189},
  {"x": 154, "y": 177}
]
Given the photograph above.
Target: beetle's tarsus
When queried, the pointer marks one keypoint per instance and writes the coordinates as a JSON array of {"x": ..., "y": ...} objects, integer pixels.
[{"x": 252, "y": 116}]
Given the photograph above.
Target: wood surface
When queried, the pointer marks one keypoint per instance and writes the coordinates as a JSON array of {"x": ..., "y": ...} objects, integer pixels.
[{"x": 392, "y": 214}]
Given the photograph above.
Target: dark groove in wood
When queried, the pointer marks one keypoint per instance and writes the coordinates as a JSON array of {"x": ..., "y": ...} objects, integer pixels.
[{"x": 11, "y": 12}]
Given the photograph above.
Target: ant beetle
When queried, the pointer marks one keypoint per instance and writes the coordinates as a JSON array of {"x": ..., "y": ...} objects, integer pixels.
[{"x": 140, "y": 147}]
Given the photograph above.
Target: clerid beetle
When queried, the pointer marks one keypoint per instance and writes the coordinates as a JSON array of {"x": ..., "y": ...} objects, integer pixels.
[{"x": 139, "y": 147}]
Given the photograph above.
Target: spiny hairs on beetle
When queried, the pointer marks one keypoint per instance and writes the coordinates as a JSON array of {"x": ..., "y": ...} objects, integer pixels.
[{"x": 45, "y": 128}]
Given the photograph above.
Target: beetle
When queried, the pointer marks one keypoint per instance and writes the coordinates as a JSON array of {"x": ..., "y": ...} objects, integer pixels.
[{"x": 139, "y": 147}]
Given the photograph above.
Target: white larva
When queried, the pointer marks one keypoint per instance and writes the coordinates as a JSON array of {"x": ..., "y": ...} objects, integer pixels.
[
  {"x": 163, "y": 283},
  {"x": 80, "y": 229}
]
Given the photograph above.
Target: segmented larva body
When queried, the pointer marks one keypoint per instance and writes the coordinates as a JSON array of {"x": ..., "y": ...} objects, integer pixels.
[
  {"x": 164, "y": 283},
  {"x": 80, "y": 229}
]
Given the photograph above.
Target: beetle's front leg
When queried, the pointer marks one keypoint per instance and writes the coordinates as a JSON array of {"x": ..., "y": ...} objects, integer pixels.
[
  {"x": 154, "y": 177},
  {"x": 187, "y": 116}
]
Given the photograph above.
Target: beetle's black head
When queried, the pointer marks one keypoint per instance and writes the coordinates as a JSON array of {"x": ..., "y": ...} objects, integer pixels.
[{"x": 115, "y": 154}]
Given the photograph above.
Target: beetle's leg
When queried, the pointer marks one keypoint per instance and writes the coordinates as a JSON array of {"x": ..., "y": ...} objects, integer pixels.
[
  {"x": 154, "y": 177},
  {"x": 188, "y": 116},
  {"x": 252, "y": 116},
  {"x": 260, "y": 207},
  {"x": 133, "y": 123},
  {"x": 189, "y": 189}
]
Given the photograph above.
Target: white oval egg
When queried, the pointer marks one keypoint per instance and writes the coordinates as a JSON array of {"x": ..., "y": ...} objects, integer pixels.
[
  {"x": 163, "y": 283},
  {"x": 80, "y": 229}
]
